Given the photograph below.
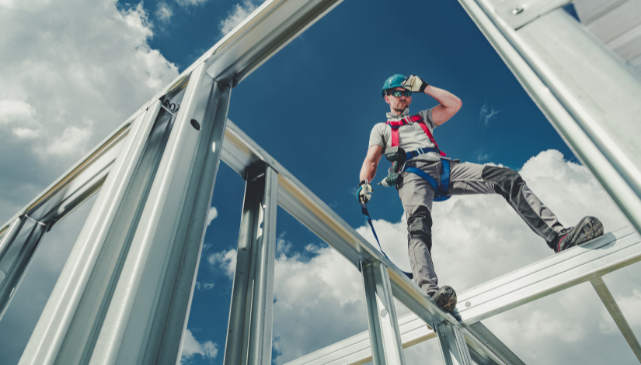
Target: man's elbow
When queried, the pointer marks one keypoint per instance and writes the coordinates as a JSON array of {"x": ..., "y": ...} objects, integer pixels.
[{"x": 458, "y": 103}]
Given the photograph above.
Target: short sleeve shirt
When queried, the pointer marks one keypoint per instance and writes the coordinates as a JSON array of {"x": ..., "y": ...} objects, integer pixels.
[{"x": 410, "y": 137}]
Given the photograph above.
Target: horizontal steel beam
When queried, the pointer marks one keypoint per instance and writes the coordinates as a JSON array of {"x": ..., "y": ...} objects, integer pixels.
[
  {"x": 357, "y": 350},
  {"x": 257, "y": 38},
  {"x": 567, "y": 269},
  {"x": 611, "y": 252}
]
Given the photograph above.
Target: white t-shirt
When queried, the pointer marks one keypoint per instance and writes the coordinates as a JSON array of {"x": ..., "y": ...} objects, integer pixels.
[{"x": 410, "y": 137}]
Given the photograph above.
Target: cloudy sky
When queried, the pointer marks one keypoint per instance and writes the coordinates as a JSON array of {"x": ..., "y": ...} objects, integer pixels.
[{"x": 72, "y": 71}]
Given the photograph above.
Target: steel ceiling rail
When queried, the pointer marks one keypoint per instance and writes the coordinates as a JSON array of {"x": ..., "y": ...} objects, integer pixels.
[
  {"x": 257, "y": 38},
  {"x": 548, "y": 276}
]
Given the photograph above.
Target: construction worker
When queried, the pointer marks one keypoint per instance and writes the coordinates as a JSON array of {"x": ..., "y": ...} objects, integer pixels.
[{"x": 421, "y": 175}]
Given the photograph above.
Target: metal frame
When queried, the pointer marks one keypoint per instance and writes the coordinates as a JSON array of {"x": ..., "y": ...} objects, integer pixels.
[
  {"x": 589, "y": 262},
  {"x": 384, "y": 332},
  {"x": 120, "y": 301},
  {"x": 249, "y": 334}
]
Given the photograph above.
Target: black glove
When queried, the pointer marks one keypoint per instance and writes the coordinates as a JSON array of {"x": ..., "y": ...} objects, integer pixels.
[{"x": 414, "y": 84}]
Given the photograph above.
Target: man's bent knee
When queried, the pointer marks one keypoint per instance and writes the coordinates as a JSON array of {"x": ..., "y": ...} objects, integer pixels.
[
  {"x": 419, "y": 226},
  {"x": 507, "y": 181}
]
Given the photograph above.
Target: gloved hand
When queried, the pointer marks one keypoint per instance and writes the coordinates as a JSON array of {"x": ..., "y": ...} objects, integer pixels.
[
  {"x": 414, "y": 84},
  {"x": 364, "y": 192}
]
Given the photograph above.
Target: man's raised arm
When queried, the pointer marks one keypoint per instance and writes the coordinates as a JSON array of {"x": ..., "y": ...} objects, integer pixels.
[{"x": 449, "y": 103}]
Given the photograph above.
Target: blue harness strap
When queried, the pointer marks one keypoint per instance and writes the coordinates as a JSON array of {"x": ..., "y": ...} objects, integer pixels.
[
  {"x": 418, "y": 152},
  {"x": 440, "y": 191},
  {"x": 369, "y": 221}
]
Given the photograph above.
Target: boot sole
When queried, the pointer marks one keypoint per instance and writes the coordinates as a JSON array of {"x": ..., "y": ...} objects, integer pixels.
[{"x": 446, "y": 298}]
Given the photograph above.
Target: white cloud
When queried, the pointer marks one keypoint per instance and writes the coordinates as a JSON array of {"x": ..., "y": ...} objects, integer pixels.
[
  {"x": 205, "y": 286},
  {"x": 66, "y": 63},
  {"x": 282, "y": 246},
  {"x": 236, "y": 16},
  {"x": 6, "y": 3},
  {"x": 191, "y": 347},
  {"x": 73, "y": 141},
  {"x": 26, "y": 133},
  {"x": 72, "y": 71},
  {"x": 211, "y": 215},
  {"x": 190, "y": 2},
  {"x": 15, "y": 111},
  {"x": 319, "y": 301},
  {"x": 164, "y": 12},
  {"x": 225, "y": 260},
  {"x": 486, "y": 114}
]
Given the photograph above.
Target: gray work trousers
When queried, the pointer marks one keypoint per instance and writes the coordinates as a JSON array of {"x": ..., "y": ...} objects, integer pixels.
[{"x": 465, "y": 178}]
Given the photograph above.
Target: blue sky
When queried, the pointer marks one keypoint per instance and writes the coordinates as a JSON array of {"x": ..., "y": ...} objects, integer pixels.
[{"x": 311, "y": 106}]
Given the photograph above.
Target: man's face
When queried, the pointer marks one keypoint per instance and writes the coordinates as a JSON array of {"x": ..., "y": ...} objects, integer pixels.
[{"x": 398, "y": 104}]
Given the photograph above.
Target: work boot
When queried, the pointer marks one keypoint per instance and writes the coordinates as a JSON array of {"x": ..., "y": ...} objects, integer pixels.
[
  {"x": 587, "y": 229},
  {"x": 445, "y": 298}
]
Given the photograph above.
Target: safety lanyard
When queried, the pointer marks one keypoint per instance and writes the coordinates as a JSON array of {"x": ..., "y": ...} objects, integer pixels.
[{"x": 369, "y": 221}]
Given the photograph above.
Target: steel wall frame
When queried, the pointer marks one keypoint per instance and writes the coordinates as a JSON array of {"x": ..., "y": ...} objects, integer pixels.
[{"x": 261, "y": 35}]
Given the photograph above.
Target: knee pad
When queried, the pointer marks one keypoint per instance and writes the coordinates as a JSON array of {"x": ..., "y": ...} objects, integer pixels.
[{"x": 419, "y": 226}]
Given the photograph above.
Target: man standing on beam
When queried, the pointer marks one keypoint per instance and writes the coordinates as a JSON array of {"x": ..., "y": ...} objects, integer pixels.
[{"x": 422, "y": 173}]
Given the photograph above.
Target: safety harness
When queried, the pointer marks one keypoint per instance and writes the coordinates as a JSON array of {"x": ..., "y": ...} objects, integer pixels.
[
  {"x": 398, "y": 167},
  {"x": 440, "y": 191}
]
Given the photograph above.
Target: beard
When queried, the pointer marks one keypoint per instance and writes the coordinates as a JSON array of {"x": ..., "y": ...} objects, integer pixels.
[{"x": 400, "y": 108}]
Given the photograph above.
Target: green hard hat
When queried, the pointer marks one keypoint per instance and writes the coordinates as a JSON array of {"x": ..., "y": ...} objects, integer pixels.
[{"x": 392, "y": 82}]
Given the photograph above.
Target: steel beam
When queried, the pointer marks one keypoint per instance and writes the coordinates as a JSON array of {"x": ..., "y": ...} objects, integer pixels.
[
  {"x": 384, "y": 334},
  {"x": 62, "y": 197},
  {"x": 118, "y": 301},
  {"x": 68, "y": 297},
  {"x": 16, "y": 251},
  {"x": 249, "y": 334},
  {"x": 588, "y": 95},
  {"x": 146, "y": 316},
  {"x": 80, "y": 181},
  {"x": 617, "y": 315},
  {"x": 257, "y": 38},
  {"x": 357, "y": 349},
  {"x": 555, "y": 273},
  {"x": 485, "y": 348},
  {"x": 453, "y": 345}
]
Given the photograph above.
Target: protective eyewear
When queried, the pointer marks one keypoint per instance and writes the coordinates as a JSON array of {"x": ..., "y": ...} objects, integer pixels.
[{"x": 399, "y": 93}]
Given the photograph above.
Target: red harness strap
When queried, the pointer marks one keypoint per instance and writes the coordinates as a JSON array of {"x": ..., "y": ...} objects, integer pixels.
[{"x": 395, "y": 125}]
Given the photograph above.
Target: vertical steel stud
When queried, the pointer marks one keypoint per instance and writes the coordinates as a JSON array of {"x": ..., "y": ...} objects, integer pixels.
[
  {"x": 455, "y": 351},
  {"x": 384, "y": 335},
  {"x": 17, "y": 248},
  {"x": 249, "y": 334},
  {"x": 618, "y": 317},
  {"x": 125, "y": 292}
]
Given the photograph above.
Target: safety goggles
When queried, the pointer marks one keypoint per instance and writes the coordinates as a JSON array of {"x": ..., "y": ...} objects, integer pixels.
[{"x": 399, "y": 93}]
